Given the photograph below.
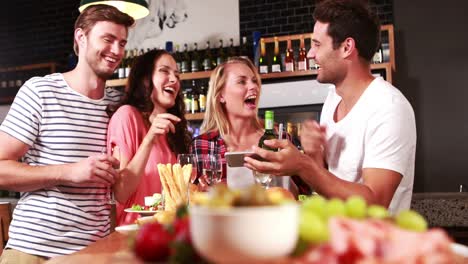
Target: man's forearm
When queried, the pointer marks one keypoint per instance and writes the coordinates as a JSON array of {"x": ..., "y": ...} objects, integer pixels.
[
  {"x": 20, "y": 177},
  {"x": 325, "y": 183}
]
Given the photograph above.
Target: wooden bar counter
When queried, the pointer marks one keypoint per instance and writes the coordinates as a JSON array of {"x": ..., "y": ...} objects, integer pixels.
[{"x": 111, "y": 249}]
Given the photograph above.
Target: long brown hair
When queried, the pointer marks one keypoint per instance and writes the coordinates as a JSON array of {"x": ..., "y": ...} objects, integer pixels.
[{"x": 138, "y": 94}]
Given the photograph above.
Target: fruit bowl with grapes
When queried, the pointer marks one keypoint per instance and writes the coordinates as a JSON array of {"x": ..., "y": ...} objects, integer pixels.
[
  {"x": 336, "y": 231},
  {"x": 267, "y": 226}
]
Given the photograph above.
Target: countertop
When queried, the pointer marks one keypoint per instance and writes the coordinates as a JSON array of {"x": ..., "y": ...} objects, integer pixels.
[{"x": 442, "y": 209}]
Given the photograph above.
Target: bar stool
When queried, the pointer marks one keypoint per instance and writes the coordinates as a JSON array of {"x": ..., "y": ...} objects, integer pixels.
[{"x": 5, "y": 219}]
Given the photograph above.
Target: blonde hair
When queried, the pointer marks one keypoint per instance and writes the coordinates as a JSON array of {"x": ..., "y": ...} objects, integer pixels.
[{"x": 215, "y": 115}]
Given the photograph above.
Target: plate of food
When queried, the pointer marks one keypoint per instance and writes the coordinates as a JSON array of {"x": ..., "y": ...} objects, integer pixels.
[
  {"x": 152, "y": 205},
  {"x": 142, "y": 210}
]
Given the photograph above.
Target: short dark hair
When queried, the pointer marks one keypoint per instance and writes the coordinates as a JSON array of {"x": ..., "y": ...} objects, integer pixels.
[
  {"x": 96, "y": 13},
  {"x": 138, "y": 94},
  {"x": 350, "y": 18}
]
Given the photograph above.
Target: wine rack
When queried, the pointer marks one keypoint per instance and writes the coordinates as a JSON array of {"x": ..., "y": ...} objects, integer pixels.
[
  {"x": 12, "y": 78},
  {"x": 387, "y": 66}
]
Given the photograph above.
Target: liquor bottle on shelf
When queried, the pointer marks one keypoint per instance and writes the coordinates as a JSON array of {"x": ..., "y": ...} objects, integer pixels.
[
  {"x": 177, "y": 57},
  {"x": 256, "y": 35},
  {"x": 221, "y": 56},
  {"x": 122, "y": 66},
  {"x": 19, "y": 79},
  {"x": 185, "y": 64},
  {"x": 128, "y": 66},
  {"x": 195, "y": 62},
  {"x": 289, "y": 59},
  {"x": 244, "y": 51},
  {"x": 208, "y": 61},
  {"x": 302, "y": 61},
  {"x": 3, "y": 80},
  {"x": 202, "y": 97},
  {"x": 231, "y": 49},
  {"x": 263, "y": 64},
  {"x": 187, "y": 100},
  {"x": 377, "y": 56},
  {"x": 11, "y": 80},
  {"x": 276, "y": 61},
  {"x": 312, "y": 64},
  {"x": 292, "y": 131},
  {"x": 169, "y": 46},
  {"x": 194, "y": 106}
]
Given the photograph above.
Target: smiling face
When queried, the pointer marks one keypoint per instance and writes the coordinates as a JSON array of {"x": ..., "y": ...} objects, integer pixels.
[
  {"x": 103, "y": 47},
  {"x": 241, "y": 91},
  {"x": 331, "y": 66},
  {"x": 166, "y": 83}
]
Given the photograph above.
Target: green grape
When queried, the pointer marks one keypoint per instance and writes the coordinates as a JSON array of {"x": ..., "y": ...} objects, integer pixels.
[
  {"x": 312, "y": 228},
  {"x": 411, "y": 220},
  {"x": 315, "y": 204},
  {"x": 377, "y": 212},
  {"x": 302, "y": 197},
  {"x": 356, "y": 207},
  {"x": 335, "y": 207}
]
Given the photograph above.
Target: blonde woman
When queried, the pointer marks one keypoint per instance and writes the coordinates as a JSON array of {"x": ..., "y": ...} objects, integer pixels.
[{"x": 231, "y": 120}]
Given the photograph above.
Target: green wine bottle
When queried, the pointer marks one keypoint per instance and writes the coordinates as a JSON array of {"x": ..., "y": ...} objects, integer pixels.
[{"x": 269, "y": 131}]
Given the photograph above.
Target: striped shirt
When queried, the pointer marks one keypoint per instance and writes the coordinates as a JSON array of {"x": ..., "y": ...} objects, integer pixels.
[{"x": 60, "y": 126}]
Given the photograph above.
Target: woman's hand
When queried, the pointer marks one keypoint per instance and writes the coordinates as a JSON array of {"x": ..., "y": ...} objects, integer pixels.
[{"x": 161, "y": 125}]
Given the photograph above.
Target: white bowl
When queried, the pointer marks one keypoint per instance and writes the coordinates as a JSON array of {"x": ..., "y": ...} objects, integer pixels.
[{"x": 244, "y": 234}]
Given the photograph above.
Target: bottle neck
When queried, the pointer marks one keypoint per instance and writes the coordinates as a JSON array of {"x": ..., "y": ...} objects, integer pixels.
[{"x": 268, "y": 125}]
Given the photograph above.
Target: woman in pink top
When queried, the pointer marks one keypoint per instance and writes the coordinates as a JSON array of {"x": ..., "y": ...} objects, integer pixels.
[{"x": 148, "y": 128}]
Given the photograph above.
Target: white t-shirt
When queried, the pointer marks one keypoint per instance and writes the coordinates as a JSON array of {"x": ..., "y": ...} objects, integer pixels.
[{"x": 378, "y": 132}]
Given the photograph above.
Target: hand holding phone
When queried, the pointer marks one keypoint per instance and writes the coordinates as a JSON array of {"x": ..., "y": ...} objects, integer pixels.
[{"x": 236, "y": 159}]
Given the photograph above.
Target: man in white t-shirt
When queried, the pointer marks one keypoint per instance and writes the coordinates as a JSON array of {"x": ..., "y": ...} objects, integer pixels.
[{"x": 366, "y": 141}]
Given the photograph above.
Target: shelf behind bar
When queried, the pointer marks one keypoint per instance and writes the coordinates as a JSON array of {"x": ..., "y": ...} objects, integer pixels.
[
  {"x": 206, "y": 74},
  {"x": 196, "y": 116},
  {"x": 51, "y": 65}
]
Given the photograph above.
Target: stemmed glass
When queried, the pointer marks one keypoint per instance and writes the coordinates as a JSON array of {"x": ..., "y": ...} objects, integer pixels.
[
  {"x": 115, "y": 152},
  {"x": 185, "y": 159},
  {"x": 189, "y": 159},
  {"x": 212, "y": 169}
]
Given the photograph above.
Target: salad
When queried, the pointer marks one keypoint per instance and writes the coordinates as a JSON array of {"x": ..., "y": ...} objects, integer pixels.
[{"x": 152, "y": 203}]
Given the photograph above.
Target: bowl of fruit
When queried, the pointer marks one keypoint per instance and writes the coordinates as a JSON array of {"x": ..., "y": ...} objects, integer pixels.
[
  {"x": 245, "y": 226},
  {"x": 350, "y": 231}
]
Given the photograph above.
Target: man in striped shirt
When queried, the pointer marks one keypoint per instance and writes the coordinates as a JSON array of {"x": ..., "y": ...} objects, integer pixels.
[{"x": 57, "y": 126}]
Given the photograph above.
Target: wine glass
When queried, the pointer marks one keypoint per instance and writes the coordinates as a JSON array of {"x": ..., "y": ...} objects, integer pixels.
[
  {"x": 115, "y": 152},
  {"x": 110, "y": 198},
  {"x": 189, "y": 159},
  {"x": 212, "y": 169},
  {"x": 185, "y": 159}
]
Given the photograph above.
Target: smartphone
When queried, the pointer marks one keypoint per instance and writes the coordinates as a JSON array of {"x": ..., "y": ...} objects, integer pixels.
[{"x": 236, "y": 159}]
